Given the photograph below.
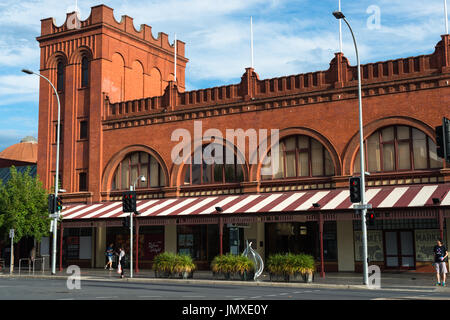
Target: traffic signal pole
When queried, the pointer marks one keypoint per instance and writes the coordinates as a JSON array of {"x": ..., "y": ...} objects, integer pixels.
[{"x": 363, "y": 206}]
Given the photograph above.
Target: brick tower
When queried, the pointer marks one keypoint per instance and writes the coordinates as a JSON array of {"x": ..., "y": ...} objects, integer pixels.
[{"x": 90, "y": 62}]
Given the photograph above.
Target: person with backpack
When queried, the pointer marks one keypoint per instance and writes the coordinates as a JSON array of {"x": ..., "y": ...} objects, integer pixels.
[{"x": 440, "y": 255}]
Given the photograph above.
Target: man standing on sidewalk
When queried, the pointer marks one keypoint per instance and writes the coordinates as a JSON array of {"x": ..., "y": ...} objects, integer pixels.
[{"x": 440, "y": 254}]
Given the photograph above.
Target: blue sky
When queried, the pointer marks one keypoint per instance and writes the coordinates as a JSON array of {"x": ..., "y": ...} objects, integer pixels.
[{"x": 290, "y": 37}]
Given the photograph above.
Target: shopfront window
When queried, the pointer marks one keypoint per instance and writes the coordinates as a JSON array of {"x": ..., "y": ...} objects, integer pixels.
[
  {"x": 399, "y": 148},
  {"x": 77, "y": 244},
  {"x": 201, "y": 242},
  {"x": 293, "y": 237}
]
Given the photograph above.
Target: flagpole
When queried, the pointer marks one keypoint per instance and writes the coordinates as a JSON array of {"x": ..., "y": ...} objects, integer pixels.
[
  {"x": 446, "y": 17},
  {"x": 175, "y": 55},
  {"x": 251, "y": 37},
  {"x": 340, "y": 29}
]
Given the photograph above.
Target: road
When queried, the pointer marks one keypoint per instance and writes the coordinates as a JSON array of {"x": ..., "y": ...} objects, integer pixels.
[{"x": 56, "y": 289}]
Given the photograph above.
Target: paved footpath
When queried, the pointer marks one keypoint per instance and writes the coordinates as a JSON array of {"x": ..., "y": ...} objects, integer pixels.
[{"x": 406, "y": 281}]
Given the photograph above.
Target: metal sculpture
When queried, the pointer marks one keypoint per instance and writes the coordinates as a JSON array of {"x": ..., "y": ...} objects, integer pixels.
[{"x": 256, "y": 258}]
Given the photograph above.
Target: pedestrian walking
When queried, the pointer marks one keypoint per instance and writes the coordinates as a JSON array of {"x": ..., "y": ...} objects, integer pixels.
[
  {"x": 121, "y": 264},
  {"x": 109, "y": 254},
  {"x": 32, "y": 255},
  {"x": 440, "y": 255}
]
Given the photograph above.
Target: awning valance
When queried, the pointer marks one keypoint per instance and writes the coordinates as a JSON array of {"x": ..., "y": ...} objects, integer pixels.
[{"x": 337, "y": 199}]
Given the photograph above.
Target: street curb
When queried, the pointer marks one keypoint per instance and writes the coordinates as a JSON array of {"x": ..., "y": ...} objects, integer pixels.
[{"x": 232, "y": 283}]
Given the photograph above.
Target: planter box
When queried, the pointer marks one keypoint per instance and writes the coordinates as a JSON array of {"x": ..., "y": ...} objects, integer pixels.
[
  {"x": 235, "y": 276},
  {"x": 162, "y": 274},
  {"x": 296, "y": 277}
]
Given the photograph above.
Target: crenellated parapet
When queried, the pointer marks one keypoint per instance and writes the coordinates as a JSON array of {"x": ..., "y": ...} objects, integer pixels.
[
  {"x": 102, "y": 15},
  {"x": 336, "y": 83}
]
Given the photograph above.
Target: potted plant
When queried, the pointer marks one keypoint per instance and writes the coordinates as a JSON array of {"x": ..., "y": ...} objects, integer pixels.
[
  {"x": 163, "y": 264},
  {"x": 230, "y": 264},
  {"x": 223, "y": 264},
  {"x": 245, "y": 267},
  {"x": 307, "y": 267},
  {"x": 291, "y": 266},
  {"x": 184, "y": 266},
  {"x": 275, "y": 265}
]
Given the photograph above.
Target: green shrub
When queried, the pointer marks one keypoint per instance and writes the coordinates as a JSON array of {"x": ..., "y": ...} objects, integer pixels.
[
  {"x": 289, "y": 264},
  {"x": 184, "y": 263},
  {"x": 173, "y": 263},
  {"x": 230, "y": 263}
]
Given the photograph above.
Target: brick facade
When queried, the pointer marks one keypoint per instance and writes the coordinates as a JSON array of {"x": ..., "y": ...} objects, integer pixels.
[{"x": 133, "y": 104}]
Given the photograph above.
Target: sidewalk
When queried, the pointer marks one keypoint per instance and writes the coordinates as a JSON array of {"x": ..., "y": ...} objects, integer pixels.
[{"x": 405, "y": 281}]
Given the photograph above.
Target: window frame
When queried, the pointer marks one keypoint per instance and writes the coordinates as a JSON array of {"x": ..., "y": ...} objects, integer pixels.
[
  {"x": 85, "y": 67},
  {"x": 117, "y": 182},
  {"x": 395, "y": 142},
  {"x": 298, "y": 151}
]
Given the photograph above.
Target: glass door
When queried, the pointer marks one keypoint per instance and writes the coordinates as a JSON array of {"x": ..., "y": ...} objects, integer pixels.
[
  {"x": 399, "y": 249},
  {"x": 407, "y": 249},
  {"x": 392, "y": 258}
]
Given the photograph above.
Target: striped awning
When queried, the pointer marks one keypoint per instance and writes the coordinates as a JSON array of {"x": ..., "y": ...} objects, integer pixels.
[{"x": 338, "y": 199}]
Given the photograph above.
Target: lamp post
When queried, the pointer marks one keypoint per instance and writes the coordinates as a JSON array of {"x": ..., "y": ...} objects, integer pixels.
[
  {"x": 55, "y": 216},
  {"x": 133, "y": 188},
  {"x": 363, "y": 206}
]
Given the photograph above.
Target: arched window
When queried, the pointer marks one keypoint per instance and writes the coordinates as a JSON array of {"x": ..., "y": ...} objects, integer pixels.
[
  {"x": 300, "y": 156},
  {"x": 398, "y": 148},
  {"x": 60, "y": 76},
  {"x": 133, "y": 166},
  {"x": 84, "y": 72},
  {"x": 220, "y": 172}
]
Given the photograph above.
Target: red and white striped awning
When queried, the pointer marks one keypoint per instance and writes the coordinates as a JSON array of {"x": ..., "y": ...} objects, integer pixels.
[{"x": 339, "y": 199}]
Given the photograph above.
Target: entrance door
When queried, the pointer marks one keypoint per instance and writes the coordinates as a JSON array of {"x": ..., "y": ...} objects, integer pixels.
[{"x": 399, "y": 249}]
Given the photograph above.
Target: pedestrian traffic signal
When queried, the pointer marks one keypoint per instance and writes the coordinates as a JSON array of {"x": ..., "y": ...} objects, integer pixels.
[
  {"x": 370, "y": 218},
  {"x": 129, "y": 201},
  {"x": 443, "y": 139},
  {"x": 59, "y": 204},
  {"x": 355, "y": 189},
  {"x": 126, "y": 222},
  {"x": 51, "y": 203}
]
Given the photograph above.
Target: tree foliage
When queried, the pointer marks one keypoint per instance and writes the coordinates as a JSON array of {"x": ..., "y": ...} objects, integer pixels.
[{"x": 24, "y": 206}]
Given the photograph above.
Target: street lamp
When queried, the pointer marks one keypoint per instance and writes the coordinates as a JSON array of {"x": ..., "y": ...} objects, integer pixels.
[
  {"x": 363, "y": 206},
  {"x": 55, "y": 216},
  {"x": 133, "y": 188}
]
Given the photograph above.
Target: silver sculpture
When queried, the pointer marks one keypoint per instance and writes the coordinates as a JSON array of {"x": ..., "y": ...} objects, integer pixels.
[{"x": 256, "y": 258}]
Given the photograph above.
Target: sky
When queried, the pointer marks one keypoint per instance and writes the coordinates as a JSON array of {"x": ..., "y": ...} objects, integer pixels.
[{"x": 290, "y": 37}]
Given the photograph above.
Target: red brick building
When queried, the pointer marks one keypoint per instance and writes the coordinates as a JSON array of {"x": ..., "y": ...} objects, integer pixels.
[{"x": 120, "y": 107}]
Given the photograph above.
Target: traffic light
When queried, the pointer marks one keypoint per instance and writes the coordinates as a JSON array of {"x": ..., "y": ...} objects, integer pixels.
[
  {"x": 355, "y": 189},
  {"x": 126, "y": 222},
  {"x": 51, "y": 203},
  {"x": 59, "y": 204},
  {"x": 370, "y": 218},
  {"x": 443, "y": 139},
  {"x": 129, "y": 201}
]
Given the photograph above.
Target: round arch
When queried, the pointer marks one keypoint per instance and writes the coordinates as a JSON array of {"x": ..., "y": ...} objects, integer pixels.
[
  {"x": 352, "y": 147},
  {"x": 111, "y": 166},
  {"x": 255, "y": 169},
  {"x": 177, "y": 171},
  {"x": 52, "y": 61},
  {"x": 79, "y": 53}
]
